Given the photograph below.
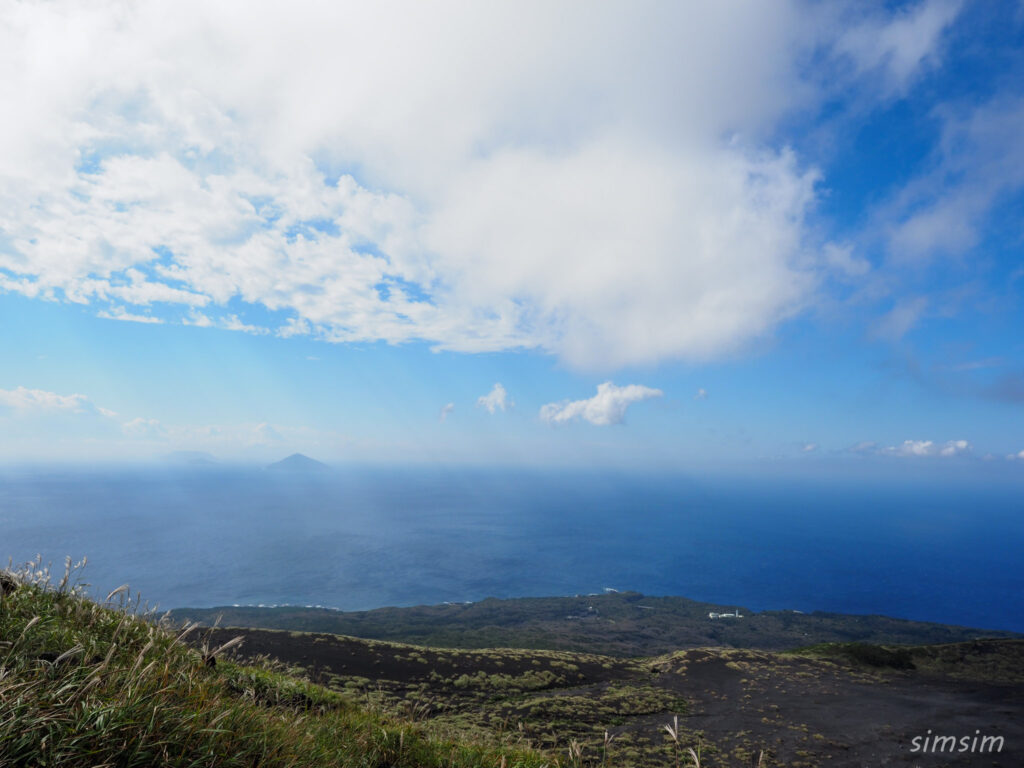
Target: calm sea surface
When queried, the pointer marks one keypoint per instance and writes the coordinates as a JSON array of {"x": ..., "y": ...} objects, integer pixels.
[{"x": 356, "y": 540}]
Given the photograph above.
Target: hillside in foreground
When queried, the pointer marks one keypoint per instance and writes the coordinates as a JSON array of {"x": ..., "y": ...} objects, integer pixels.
[
  {"x": 800, "y": 689},
  {"x": 87, "y": 685},
  {"x": 850, "y": 704}
]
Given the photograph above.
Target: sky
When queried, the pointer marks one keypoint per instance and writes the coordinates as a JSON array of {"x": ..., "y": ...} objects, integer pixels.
[{"x": 645, "y": 234}]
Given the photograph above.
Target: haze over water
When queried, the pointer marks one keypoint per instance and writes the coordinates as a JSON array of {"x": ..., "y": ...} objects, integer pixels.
[{"x": 938, "y": 551}]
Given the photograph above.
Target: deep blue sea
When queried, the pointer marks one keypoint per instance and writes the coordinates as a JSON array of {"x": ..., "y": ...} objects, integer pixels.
[{"x": 940, "y": 551}]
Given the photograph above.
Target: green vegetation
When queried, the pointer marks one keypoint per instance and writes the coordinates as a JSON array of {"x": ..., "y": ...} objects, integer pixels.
[
  {"x": 87, "y": 685},
  {"x": 987, "y": 659},
  {"x": 866, "y": 654},
  {"x": 624, "y": 624}
]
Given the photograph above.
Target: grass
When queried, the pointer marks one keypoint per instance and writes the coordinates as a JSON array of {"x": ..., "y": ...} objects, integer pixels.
[
  {"x": 865, "y": 654},
  {"x": 84, "y": 684},
  {"x": 104, "y": 685}
]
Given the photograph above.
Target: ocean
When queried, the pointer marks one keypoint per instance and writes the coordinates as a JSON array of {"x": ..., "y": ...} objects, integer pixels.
[{"x": 359, "y": 539}]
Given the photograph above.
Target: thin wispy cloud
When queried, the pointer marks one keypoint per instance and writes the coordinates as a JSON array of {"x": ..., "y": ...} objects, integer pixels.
[
  {"x": 901, "y": 319},
  {"x": 26, "y": 401},
  {"x": 120, "y": 313},
  {"x": 978, "y": 162},
  {"x": 899, "y": 49}
]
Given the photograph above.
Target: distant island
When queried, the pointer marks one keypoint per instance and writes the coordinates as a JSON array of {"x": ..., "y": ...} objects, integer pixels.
[
  {"x": 624, "y": 624},
  {"x": 298, "y": 462}
]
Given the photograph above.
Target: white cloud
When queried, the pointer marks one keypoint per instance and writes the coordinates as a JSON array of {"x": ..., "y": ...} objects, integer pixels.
[
  {"x": 495, "y": 400},
  {"x": 864, "y": 447},
  {"x": 568, "y": 254},
  {"x": 701, "y": 394},
  {"x": 979, "y": 160},
  {"x": 809, "y": 447},
  {"x": 42, "y": 424},
  {"x": 446, "y": 411},
  {"x": 24, "y": 400},
  {"x": 232, "y": 323},
  {"x": 916, "y": 448},
  {"x": 607, "y": 407},
  {"x": 234, "y": 437},
  {"x": 294, "y": 327},
  {"x": 265, "y": 434},
  {"x": 913, "y": 448},
  {"x": 844, "y": 262},
  {"x": 1016, "y": 456},
  {"x": 197, "y": 319},
  {"x": 595, "y": 181},
  {"x": 119, "y": 313},
  {"x": 897, "y": 48},
  {"x": 901, "y": 319},
  {"x": 929, "y": 448},
  {"x": 144, "y": 429},
  {"x": 954, "y": 448}
]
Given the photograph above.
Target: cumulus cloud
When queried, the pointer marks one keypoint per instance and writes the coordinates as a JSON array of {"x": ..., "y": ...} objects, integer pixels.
[
  {"x": 232, "y": 323},
  {"x": 701, "y": 394},
  {"x": 446, "y": 411},
  {"x": 928, "y": 448},
  {"x": 144, "y": 429},
  {"x": 24, "y": 400},
  {"x": 265, "y": 434},
  {"x": 607, "y": 407},
  {"x": 495, "y": 400},
  {"x": 601, "y": 182},
  {"x": 955, "y": 448},
  {"x": 915, "y": 448},
  {"x": 1019, "y": 456},
  {"x": 809, "y": 447}
]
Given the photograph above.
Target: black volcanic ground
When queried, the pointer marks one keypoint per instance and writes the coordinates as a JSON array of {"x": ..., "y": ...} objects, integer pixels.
[{"x": 857, "y": 702}]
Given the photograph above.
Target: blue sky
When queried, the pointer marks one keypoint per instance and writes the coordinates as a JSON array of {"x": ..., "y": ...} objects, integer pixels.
[{"x": 632, "y": 235}]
